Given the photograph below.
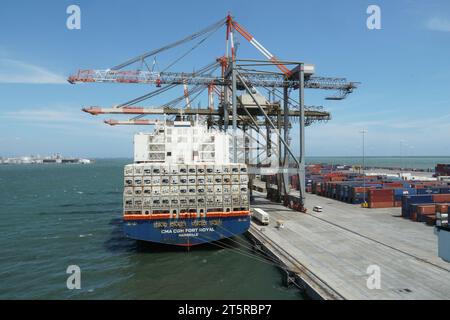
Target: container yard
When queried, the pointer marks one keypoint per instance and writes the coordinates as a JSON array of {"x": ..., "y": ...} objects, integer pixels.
[
  {"x": 329, "y": 253},
  {"x": 396, "y": 224}
]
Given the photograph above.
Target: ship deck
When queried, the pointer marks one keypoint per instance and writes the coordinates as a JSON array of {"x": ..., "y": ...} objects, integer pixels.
[{"x": 330, "y": 251}]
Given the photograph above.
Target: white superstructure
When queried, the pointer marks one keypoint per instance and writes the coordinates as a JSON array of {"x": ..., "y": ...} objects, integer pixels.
[{"x": 181, "y": 143}]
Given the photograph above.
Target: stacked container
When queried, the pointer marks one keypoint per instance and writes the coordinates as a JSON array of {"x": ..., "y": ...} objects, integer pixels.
[{"x": 182, "y": 188}]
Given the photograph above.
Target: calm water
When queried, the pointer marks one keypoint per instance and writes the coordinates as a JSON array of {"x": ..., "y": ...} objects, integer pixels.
[
  {"x": 54, "y": 216},
  {"x": 395, "y": 162}
]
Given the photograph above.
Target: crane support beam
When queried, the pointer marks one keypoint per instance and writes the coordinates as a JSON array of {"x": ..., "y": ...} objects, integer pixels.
[
  {"x": 203, "y": 111},
  {"x": 113, "y": 122},
  {"x": 179, "y": 78}
]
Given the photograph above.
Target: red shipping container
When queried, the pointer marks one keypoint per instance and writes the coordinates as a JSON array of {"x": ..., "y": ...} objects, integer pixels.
[
  {"x": 441, "y": 197},
  {"x": 430, "y": 220},
  {"x": 426, "y": 209},
  {"x": 442, "y": 208},
  {"x": 384, "y": 192},
  {"x": 387, "y": 204},
  {"x": 393, "y": 185}
]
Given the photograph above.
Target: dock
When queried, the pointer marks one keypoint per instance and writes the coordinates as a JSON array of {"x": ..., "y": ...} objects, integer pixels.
[{"x": 329, "y": 253}]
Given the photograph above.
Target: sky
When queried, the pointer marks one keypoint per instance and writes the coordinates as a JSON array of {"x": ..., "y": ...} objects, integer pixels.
[{"x": 403, "y": 100}]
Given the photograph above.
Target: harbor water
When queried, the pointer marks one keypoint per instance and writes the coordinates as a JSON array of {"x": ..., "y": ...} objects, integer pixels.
[{"x": 424, "y": 162}]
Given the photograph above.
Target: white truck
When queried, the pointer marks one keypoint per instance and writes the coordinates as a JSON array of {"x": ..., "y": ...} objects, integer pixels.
[{"x": 261, "y": 216}]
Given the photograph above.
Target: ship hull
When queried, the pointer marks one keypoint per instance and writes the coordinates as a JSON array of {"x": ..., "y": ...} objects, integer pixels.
[{"x": 211, "y": 229}]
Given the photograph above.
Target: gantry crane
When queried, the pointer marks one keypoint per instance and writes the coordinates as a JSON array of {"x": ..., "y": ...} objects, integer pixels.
[{"x": 251, "y": 113}]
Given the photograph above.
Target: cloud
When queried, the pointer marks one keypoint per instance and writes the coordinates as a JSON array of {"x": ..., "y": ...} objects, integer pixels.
[
  {"x": 58, "y": 115},
  {"x": 68, "y": 121},
  {"x": 14, "y": 71},
  {"x": 438, "y": 24}
]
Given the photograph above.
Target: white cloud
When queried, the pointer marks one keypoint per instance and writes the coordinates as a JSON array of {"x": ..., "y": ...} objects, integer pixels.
[
  {"x": 438, "y": 24},
  {"x": 68, "y": 121},
  {"x": 47, "y": 115},
  {"x": 14, "y": 71}
]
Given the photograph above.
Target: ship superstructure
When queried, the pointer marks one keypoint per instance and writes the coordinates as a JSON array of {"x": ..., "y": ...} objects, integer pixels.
[{"x": 182, "y": 189}]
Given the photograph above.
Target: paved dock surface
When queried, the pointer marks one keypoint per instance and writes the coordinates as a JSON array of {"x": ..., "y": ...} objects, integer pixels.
[{"x": 337, "y": 246}]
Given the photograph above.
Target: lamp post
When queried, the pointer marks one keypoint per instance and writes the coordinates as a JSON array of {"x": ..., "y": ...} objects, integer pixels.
[{"x": 363, "y": 132}]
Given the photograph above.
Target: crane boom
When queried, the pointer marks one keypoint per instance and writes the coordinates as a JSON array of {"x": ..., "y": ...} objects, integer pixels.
[
  {"x": 174, "y": 78},
  {"x": 236, "y": 26},
  {"x": 152, "y": 110}
]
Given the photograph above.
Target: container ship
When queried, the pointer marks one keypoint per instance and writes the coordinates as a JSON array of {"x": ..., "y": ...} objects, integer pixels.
[{"x": 182, "y": 188}]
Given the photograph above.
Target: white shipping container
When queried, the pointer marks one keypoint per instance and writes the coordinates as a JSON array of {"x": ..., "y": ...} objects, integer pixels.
[
  {"x": 217, "y": 189},
  {"x": 192, "y": 190},
  {"x": 128, "y": 181},
  {"x": 174, "y": 169},
  {"x": 201, "y": 190},
  {"x": 244, "y": 178},
  {"x": 137, "y": 191},
  {"x": 165, "y": 190},
  {"x": 183, "y": 179},
  {"x": 235, "y": 189},
  {"x": 174, "y": 201},
  {"x": 156, "y": 190},
  {"x": 147, "y": 191},
  {"x": 138, "y": 170},
  {"x": 147, "y": 170},
  {"x": 156, "y": 169},
  {"x": 200, "y": 169},
  {"x": 165, "y": 202},
  {"x": 226, "y": 179},
  {"x": 137, "y": 203},
  {"x": 137, "y": 181},
  {"x": 182, "y": 168},
  {"x": 201, "y": 201},
  {"x": 128, "y": 191},
  {"x": 128, "y": 203},
  {"x": 192, "y": 169},
  {"x": 192, "y": 180},
  {"x": 146, "y": 203},
  {"x": 165, "y": 169},
  {"x": 183, "y": 190},
  {"x": 128, "y": 170},
  {"x": 156, "y": 180}
]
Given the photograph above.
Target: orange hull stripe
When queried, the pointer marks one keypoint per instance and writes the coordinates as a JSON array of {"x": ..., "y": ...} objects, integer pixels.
[{"x": 185, "y": 215}]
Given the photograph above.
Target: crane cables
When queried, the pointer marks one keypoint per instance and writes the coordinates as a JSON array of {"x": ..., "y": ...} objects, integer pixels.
[
  {"x": 215, "y": 26},
  {"x": 208, "y": 68},
  {"x": 173, "y": 103}
]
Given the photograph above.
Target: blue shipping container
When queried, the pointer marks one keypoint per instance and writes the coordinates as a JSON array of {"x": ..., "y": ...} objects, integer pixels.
[{"x": 415, "y": 199}]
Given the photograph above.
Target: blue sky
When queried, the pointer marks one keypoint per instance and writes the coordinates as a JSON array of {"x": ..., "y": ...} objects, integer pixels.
[{"x": 404, "y": 69}]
